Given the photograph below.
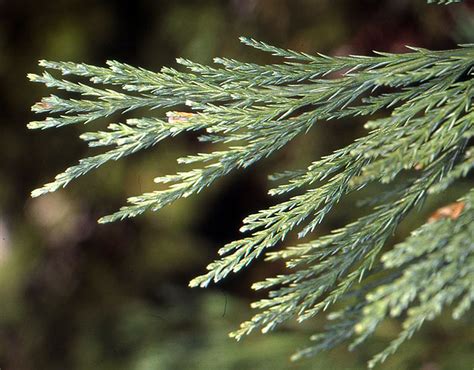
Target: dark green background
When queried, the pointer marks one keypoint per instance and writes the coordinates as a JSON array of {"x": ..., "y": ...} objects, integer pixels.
[{"x": 75, "y": 295}]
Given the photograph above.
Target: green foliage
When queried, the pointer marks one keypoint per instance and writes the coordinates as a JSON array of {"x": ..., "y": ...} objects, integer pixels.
[
  {"x": 445, "y": 2},
  {"x": 420, "y": 147}
]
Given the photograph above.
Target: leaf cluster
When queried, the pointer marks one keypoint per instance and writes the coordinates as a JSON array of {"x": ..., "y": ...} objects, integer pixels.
[{"x": 418, "y": 148}]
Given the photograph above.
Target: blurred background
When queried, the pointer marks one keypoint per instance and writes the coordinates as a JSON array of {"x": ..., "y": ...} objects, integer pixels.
[{"x": 76, "y": 295}]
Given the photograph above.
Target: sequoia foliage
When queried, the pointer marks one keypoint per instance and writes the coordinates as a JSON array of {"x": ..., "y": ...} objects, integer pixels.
[{"x": 419, "y": 125}]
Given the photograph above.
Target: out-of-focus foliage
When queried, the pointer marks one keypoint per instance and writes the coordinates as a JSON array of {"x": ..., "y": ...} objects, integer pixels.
[{"x": 78, "y": 296}]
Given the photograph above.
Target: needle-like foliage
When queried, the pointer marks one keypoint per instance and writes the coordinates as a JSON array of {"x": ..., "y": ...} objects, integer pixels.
[{"x": 419, "y": 146}]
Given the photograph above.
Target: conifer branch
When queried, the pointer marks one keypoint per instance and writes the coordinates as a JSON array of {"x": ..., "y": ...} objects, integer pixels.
[{"x": 419, "y": 147}]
